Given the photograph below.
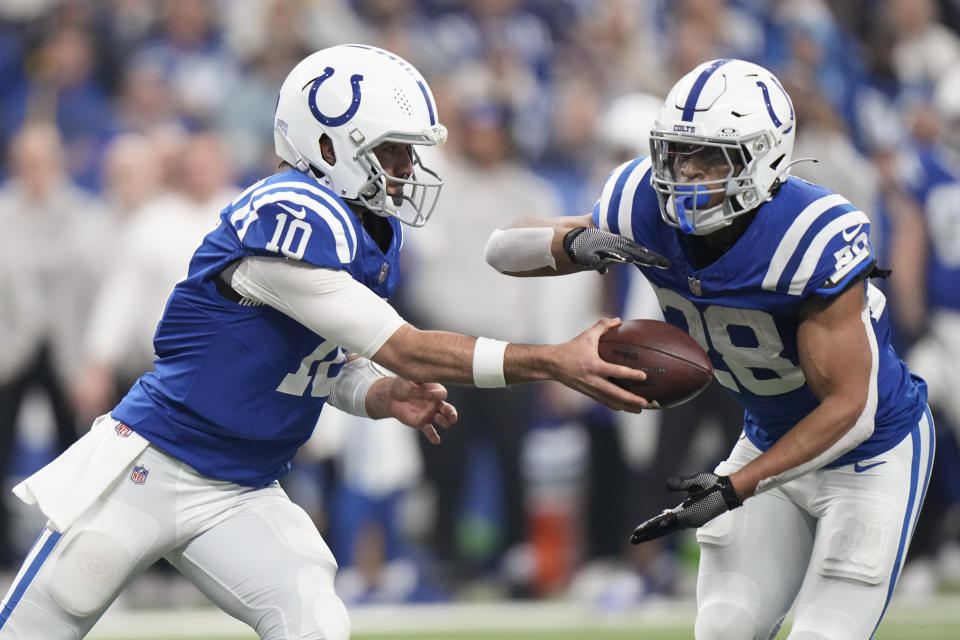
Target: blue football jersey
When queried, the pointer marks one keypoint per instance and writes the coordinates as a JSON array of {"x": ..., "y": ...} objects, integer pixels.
[
  {"x": 936, "y": 186},
  {"x": 743, "y": 308},
  {"x": 237, "y": 389}
]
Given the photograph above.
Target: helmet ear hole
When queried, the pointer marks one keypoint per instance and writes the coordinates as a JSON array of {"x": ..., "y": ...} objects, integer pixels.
[{"x": 326, "y": 150}]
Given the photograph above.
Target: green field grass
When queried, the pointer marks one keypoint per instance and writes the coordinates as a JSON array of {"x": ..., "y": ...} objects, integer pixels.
[
  {"x": 937, "y": 619},
  {"x": 897, "y": 631}
]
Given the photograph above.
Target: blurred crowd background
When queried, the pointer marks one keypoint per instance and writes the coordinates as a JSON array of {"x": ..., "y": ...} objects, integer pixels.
[{"x": 125, "y": 126}]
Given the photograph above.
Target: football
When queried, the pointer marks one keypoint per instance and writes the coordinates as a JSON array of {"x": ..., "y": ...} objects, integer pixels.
[{"x": 677, "y": 367}]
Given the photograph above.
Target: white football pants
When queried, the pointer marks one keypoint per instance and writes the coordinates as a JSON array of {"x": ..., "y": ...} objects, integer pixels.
[
  {"x": 253, "y": 552},
  {"x": 832, "y": 540}
]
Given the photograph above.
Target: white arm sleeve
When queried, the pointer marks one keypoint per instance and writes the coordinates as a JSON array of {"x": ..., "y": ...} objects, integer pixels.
[
  {"x": 350, "y": 387},
  {"x": 520, "y": 249},
  {"x": 330, "y": 303}
]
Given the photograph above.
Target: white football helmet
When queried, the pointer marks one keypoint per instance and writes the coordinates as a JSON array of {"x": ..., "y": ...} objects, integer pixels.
[
  {"x": 360, "y": 97},
  {"x": 732, "y": 115}
]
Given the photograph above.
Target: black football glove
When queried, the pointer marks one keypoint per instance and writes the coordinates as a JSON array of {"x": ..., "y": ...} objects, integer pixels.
[
  {"x": 594, "y": 248},
  {"x": 710, "y": 495}
]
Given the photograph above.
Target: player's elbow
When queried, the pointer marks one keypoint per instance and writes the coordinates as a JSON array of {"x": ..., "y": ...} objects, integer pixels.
[
  {"x": 402, "y": 354},
  {"x": 859, "y": 413}
]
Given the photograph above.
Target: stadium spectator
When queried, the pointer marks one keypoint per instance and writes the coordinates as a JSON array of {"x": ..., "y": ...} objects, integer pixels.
[
  {"x": 153, "y": 247},
  {"x": 48, "y": 263}
]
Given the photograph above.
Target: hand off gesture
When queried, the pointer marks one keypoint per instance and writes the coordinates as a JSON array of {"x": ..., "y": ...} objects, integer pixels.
[
  {"x": 595, "y": 248},
  {"x": 710, "y": 495},
  {"x": 582, "y": 369}
]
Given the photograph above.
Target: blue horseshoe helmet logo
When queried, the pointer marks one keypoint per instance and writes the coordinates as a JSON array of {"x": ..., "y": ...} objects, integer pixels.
[
  {"x": 766, "y": 99},
  {"x": 334, "y": 121}
]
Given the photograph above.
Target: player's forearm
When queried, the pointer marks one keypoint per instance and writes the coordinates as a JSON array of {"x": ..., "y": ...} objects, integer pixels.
[
  {"x": 445, "y": 357},
  {"x": 532, "y": 248},
  {"x": 835, "y": 427}
]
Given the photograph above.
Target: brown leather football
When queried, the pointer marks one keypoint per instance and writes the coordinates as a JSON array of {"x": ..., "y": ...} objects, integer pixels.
[{"x": 677, "y": 368}]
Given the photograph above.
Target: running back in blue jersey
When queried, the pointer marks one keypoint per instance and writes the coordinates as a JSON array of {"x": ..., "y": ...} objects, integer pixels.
[
  {"x": 743, "y": 309},
  {"x": 237, "y": 389}
]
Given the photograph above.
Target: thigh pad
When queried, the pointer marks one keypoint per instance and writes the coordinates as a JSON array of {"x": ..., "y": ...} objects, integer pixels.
[{"x": 855, "y": 540}]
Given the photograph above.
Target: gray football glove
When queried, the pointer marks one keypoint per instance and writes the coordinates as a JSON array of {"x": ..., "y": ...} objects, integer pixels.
[
  {"x": 710, "y": 495},
  {"x": 595, "y": 248}
]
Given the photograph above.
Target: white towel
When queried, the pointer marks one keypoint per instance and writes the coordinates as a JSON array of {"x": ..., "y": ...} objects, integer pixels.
[{"x": 69, "y": 485}]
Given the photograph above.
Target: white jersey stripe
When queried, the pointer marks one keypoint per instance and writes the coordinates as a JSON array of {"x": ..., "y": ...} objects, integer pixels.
[
  {"x": 876, "y": 301},
  {"x": 811, "y": 256},
  {"x": 625, "y": 214},
  {"x": 344, "y": 252},
  {"x": 244, "y": 194},
  {"x": 607, "y": 194},
  {"x": 333, "y": 203},
  {"x": 791, "y": 239}
]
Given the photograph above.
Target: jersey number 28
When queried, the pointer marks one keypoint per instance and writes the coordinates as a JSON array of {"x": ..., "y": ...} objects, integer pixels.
[{"x": 743, "y": 363}]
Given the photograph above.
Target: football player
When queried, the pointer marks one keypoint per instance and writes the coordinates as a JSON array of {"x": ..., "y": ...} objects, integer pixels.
[
  {"x": 251, "y": 345},
  {"x": 817, "y": 501}
]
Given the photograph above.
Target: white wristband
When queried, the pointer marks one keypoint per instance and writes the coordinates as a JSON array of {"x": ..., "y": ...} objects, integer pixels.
[
  {"x": 350, "y": 387},
  {"x": 488, "y": 363}
]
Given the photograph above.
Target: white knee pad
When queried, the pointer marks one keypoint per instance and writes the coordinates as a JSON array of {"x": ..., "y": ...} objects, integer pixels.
[
  {"x": 322, "y": 615},
  {"x": 820, "y": 624},
  {"x": 725, "y": 621},
  {"x": 89, "y": 571},
  {"x": 331, "y": 618},
  {"x": 729, "y": 608},
  {"x": 325, "y": 616}
]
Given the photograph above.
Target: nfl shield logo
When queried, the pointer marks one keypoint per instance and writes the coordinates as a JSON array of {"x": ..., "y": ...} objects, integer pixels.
[
  {"x": 139, "y": 475},
  {"x": 694, "y": 284},
  {"x": 383, "y": 273},
  {"x": 123, "y": 430}
]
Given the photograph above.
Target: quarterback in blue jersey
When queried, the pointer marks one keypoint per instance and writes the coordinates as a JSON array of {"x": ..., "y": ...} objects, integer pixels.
[
  {"x": 283, "y": 310},
  {"x": 816, "y": 503}
]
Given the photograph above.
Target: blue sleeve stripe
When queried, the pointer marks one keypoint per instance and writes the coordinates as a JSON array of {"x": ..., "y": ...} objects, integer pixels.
[
  {"x": 791, "y": 239},
  {"x": 811, "y": 257},
  {"x": 610, "y": 196}
]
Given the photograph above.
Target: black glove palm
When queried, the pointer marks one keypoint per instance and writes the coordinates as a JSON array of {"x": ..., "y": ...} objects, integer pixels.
[
  {"x": 710, "y": 495},
  {"x": 594, "y": 248}
]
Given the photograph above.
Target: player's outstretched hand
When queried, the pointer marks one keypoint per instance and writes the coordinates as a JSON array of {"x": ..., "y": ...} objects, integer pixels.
[
  {"x": 595, "y": 248},
  {"x": 422, "y": 405},
  {"x": 710, "y": 495},
  {"x": 582, "y": 369}
]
